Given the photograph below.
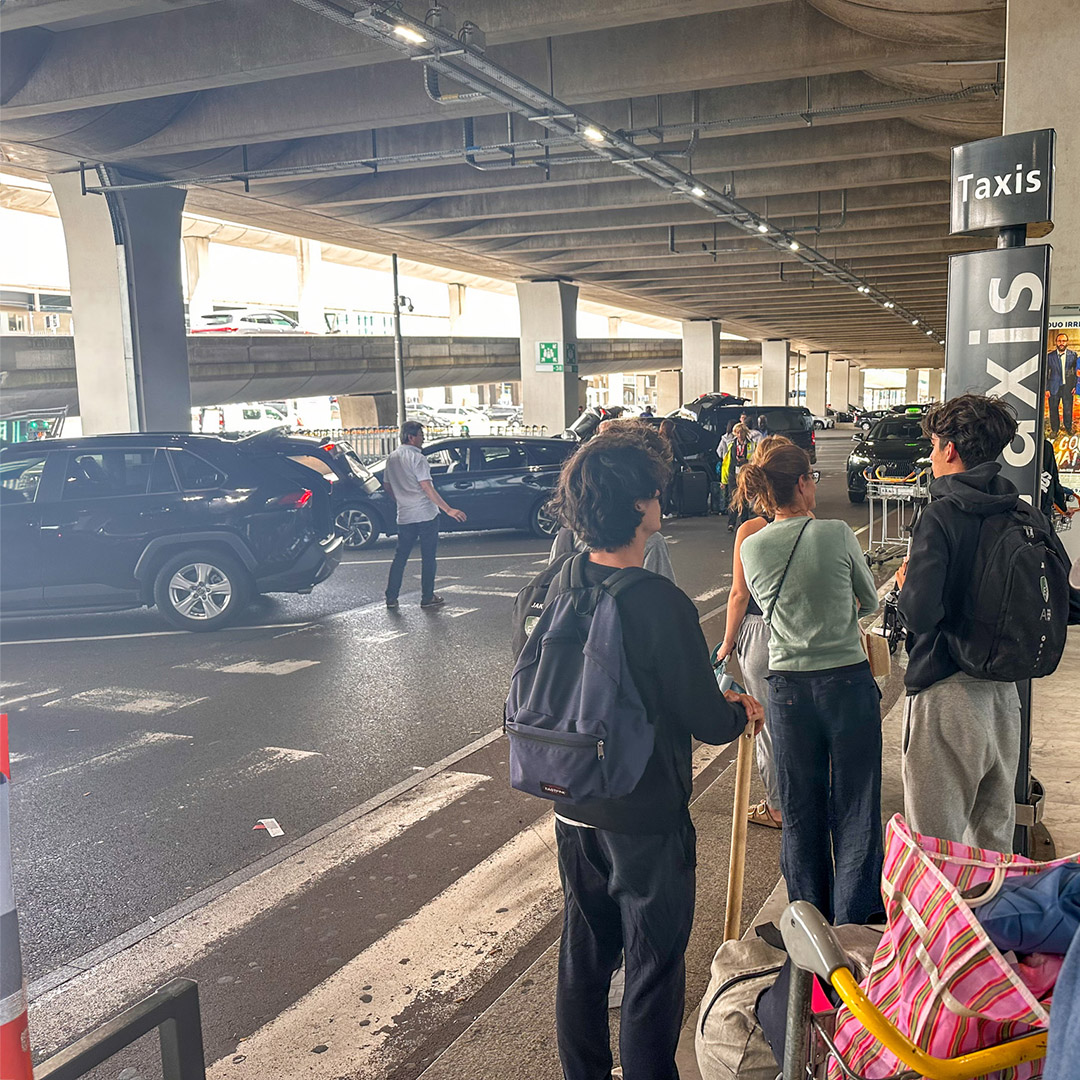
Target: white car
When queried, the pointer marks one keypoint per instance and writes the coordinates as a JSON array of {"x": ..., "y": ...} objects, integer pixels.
[
  {"x": 458, "y": 416},
  {"x": 822, "y": 422},
  {"x": 252, "y": 321}
]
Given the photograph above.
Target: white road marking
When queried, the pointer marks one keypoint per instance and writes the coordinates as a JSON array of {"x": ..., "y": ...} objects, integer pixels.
[
  {"x": 270, "y": 757},
  {"x": 7, "y": 643},
  {"x": 381, "y": 639},
  {"x": 119, "y": 699},
  {"x": 91, "y": 997},
  {"x": 26, "y": 697},
  {"x": 447, "y": 558},
  {"x": 457, "y": 612},
  {"x": 265, "y": 667},
  {"x": 453, "y": 945},
  {"x": 710, "y": 593},
  {"x": 474, "y": 590},
  {"x": 149, "y": 740},
  {"x": 510, "y": 574},
  {"x": 712, "y": 614}
]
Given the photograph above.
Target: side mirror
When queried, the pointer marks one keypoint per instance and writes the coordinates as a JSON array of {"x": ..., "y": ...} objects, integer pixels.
[{"x": 857, "y": 437}]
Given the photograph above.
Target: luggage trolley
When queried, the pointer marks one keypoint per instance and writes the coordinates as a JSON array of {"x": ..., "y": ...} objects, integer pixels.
[
  {"x": 895, "y": 504},
  {"x": 808, "y": 1038}
]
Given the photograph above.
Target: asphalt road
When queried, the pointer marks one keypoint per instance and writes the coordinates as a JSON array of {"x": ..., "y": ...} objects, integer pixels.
[{"x": 144, "y": 757}]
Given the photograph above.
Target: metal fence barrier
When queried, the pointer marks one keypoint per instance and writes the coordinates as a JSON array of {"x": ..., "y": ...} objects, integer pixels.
[{"x": 173, "y": 1009}]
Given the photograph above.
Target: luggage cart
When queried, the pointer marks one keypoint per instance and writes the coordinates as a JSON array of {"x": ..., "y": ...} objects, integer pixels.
[
  {"x": 808, "y": 1037},
  {"x": 895, "y": 504}
]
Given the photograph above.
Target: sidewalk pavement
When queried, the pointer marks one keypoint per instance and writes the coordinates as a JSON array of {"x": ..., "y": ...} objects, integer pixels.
[{"x": 515, "y": 1036}]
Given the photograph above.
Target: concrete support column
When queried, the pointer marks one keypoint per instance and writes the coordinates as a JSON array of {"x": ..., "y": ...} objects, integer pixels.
[
  {"x": 911, "y": 385},
  {"x": 730, "y": 380},
  {"x": 700, "y": 358},
  {"x": 838, "y": 384},
  {"x": 548, "y": 312},
  {"x": 127, "y": 302},
  {"x": 312, "y": 306},
  {"x": 1035, "y": 31},
  {"x": 669, "y": 395},
  {"x": 775, "y": 371},
  {"x": 817, "y": 368},
  {"x": 196, "y": 264},
  {"x": 367, "y": 410},
  {"x": 457, "y": 304},
  {"x": 614, "y": 325},
  {"x": 934, "y": 389},
  {"x": 856, "y": 385}
]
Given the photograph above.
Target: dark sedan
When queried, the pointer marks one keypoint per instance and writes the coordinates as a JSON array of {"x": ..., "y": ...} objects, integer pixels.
[
  {"x": 500, "y": 483},
  {"x": 894, "y": 448}
]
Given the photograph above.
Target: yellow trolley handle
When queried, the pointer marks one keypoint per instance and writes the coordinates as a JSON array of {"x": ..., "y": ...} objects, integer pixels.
[{"x": 812, "y": 946}]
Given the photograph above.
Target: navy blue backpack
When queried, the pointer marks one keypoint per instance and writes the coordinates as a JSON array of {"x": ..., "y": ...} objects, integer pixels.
[{"x": 577, "y": 726}]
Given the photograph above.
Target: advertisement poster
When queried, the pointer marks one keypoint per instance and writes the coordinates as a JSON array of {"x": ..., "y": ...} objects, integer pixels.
[{"x": 1061, "y": 419}]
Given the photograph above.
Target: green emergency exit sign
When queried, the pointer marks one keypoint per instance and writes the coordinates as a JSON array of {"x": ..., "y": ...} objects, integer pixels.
[{"x": 553, "y": 356}]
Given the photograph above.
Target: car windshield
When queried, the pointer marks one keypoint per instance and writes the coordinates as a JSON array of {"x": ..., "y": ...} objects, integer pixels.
[{"x": 897, "y": 431}]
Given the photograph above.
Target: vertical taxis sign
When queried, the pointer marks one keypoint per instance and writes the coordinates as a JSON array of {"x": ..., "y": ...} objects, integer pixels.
[{"x": 998, "y": 300}]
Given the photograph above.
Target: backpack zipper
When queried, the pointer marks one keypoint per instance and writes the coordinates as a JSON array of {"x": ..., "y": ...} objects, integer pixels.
[
  {"x": 734, "y": 981},
  {"x": 558, "y": 742}
]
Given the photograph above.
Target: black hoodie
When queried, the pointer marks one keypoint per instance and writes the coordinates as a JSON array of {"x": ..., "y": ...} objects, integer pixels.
[{"x": 940, "y": 567}]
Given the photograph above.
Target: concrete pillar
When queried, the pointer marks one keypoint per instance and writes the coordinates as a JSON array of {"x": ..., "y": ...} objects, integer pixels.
[
  {"x": 457, "y": 304},
  {"x": 817, "y": 367},
  {"x": 700, "y": 358},
  {"x": 934, "y": 389},
  {"x": 669, "y": 394},
  {"x": 312, "y": 307},
  {"x": 775, "y": 371},
  {"x": 196, "y": 264},
  {"x": 911, "y": 386},
  {"x": 131, "y": 363},
  {"x": 730, "y": 380},
  {"x": 838, "y": 384},
  {"x": 614, "y": 324},
  {"x": 548, "y": 312},
  {"x": 1037, "y": 30},
  {"x": 367, "y": 410},
  {"x": 856, "y": 385}
]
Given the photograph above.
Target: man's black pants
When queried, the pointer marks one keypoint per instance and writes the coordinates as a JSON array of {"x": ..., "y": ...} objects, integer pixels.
[
  {"x": 631, "y": 894},
  {"x": 427, "y": 532},
  {"x": 1061, "y": 403}
]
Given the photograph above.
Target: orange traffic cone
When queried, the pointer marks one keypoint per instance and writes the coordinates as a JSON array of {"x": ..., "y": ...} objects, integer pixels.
[{"x": 14, "y": 1032}]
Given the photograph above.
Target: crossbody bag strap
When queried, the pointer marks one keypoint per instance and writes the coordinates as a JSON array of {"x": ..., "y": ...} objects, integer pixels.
[{"x": 783, "y": 576}]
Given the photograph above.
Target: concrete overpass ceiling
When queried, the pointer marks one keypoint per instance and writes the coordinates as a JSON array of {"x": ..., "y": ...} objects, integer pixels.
[{"x": 831, "y": 120}]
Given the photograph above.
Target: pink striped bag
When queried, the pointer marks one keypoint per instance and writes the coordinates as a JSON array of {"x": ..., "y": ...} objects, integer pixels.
[{"x": 936, "y": 975}]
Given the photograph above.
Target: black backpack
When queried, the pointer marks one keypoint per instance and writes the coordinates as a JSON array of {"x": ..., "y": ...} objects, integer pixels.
[
  {"x": 530, "y": 600},
  {"x": 1014, "y": 621}
]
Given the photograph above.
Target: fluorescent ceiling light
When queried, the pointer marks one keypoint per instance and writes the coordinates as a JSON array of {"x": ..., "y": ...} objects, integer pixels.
[
  {"x": 929, "y": 333},
  {"x": 762, "y": 227},
  {"x": 941, "y": 342},
  {"x": 407, "y": 33},
  {"x": 593, "y": 133},
  {"x": 889, "y": 304},
  {"x": 914, "y": 322},
  {"x": 794, "y": 245},
  {"x": 698, "y": 192}
]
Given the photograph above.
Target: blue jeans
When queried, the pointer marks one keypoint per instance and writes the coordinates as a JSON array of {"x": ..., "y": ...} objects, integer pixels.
[
  {"x": 427, "y": 532},
  {"x": 623, "y": 893},
  {"x": 826, "y": 735}
]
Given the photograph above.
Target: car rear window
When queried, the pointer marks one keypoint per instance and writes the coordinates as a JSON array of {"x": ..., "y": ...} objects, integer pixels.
[
  {"x": 195, "y": 474},
  {"x": 785, "y": 419},
  {"x": 549, "y": 453}
]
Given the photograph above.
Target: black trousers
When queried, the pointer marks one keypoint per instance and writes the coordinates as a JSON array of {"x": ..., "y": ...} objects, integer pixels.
[
  {"x": 427, "y": 532},
  {"x": 1061, "y": 403},
  {"x": 631, "y": 894}
]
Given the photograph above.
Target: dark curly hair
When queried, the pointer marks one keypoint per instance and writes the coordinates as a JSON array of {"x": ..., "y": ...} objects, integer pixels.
[
  {"x": 980, "y": 427},
  {"x": 600, "y": 483}
]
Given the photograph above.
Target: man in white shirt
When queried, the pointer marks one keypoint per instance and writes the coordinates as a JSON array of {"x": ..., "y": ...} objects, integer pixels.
[{"x": 407, "y": 479}]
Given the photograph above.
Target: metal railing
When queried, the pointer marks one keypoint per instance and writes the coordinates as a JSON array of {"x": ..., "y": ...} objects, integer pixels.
[
  {"x": 374, "y": 443},
  {"x": 173, "y": 1010}
]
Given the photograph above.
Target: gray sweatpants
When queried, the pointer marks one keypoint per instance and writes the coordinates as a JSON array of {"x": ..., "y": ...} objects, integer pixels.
[
  {"x": 752, "y": 649},
  {"x": 961, "y": 748}
]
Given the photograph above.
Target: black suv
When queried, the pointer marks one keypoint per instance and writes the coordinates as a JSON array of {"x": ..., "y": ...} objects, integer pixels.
[
  {"x": 794, "y": 422},
  {"x": 191, "y": 523},
  {"x": 894, "y": 449}
]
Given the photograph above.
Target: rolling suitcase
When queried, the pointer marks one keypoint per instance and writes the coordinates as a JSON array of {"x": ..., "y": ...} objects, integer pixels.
[{"x": 692, "y": 492}]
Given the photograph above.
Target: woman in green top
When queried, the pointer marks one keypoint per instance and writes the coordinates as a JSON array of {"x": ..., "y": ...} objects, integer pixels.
[{"x": 824, "y": 709}]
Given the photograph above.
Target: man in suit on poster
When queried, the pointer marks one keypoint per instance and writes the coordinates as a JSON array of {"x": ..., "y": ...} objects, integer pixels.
[{"x": 1061, "y": 383}]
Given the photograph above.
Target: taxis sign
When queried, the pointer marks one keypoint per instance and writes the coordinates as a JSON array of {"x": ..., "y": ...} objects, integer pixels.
[{"x": 1003, "y": 183}]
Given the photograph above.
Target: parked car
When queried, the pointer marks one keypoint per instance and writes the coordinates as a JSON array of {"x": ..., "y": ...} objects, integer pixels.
[
  {"x": 244, "y": 416},
  {"x": 468, "y": 421},
  {"x": 840, "y": 416},
  {"x": 823, "y": 422},
  {"x": 794, "y": 422},
  {"x": 894, "y": 449},
  {"x": 865, "y": 419},
  {"x": 351, "y": 482},
  {"x": 251, "y": 321},
  {"x": 192, "y": 524},
  {"x": 509, "y": 415},
  {"x": 501, "y": 482}
]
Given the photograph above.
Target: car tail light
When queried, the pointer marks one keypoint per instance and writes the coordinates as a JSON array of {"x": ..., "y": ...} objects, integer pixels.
[
  {"x": 295, "y": 499},
  {"x": 329, "y": 447},
  {"x": 813, "y": 438}
]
